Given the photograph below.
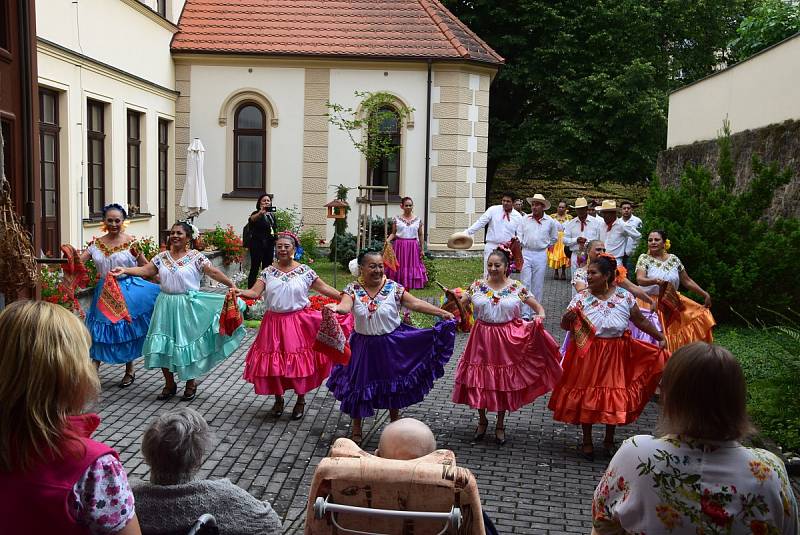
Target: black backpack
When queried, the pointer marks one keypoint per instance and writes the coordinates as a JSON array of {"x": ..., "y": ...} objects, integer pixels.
[{"x": 247, "y": 235}]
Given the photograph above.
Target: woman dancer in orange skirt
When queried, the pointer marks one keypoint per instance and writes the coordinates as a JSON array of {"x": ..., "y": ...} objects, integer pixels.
[
  {"x": 662, "y": 271},
  {"x": 608, "y": 376}
]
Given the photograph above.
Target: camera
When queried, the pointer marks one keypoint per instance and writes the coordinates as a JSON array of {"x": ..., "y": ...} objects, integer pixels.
[{"x": 272, "y": 209}]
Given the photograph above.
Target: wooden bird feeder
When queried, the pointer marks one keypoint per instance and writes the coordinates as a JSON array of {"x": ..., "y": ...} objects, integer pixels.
[{"x": 337, "y": 209}]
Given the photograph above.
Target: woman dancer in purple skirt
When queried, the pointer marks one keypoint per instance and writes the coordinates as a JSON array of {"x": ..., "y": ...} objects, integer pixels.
[
  {"x": 393, "y": 365},
  {"x": 407, "y": 238}
]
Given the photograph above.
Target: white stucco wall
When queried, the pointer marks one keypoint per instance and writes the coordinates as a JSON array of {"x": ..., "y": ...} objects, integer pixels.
[
  {"x": 346, "y": 165},
  {"x": 112, "y": 32},
  {"x": 211, "y": 86},
  {"x": 77, "y": 77},
  {"x": 757, "y": 92}
]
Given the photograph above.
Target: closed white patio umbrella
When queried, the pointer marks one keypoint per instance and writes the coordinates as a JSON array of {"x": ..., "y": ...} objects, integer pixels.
[{"x": 194, "y": 198}]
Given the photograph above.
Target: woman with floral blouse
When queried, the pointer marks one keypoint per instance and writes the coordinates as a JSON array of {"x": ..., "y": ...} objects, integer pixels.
[
  {"x": 508, "y": 362},
  {"x": 608, "y": 376},
  {"x": 393, "y": 365},
  {"x": 695, "y": 476},
  {"x": 659, "y": 271},
  {"x": 282, "y": 356}
]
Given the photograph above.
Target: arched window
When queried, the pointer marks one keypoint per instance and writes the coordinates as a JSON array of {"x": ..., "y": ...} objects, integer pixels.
[
  {"x": 249, "y": 148},
  {"x": 387, "y": 172}
]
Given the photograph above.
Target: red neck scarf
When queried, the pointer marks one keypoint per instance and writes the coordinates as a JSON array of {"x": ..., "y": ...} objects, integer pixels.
[
  {"x": 583, "y": 224},
  {"x": 609, "y": 225},
  {"x": 506, "y": 215}
]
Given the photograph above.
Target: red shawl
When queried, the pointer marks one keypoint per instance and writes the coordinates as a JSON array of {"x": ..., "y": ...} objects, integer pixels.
[
  {"x": 111, "y": 302},
  {"x": 669, "y": 304},
  {"x": 331, "y": 340},
  {"x": 582, "y": 331},
  {"x": 230, "y": 318},
  {"x": 389, "y": 258}
]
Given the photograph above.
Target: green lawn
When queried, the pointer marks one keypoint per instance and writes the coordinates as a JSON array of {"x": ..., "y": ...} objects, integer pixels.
[
  {"x": 451, "y": 272},
  {"x": 772, "y": 368}
]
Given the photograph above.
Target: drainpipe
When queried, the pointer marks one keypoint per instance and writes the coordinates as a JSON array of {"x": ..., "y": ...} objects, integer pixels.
[{"x": 427, "y": 154}]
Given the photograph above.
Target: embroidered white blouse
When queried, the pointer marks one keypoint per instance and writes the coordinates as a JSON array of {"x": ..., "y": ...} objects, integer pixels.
[
  {"x": 182, "y": 275},
  {"x": 407, "y": 229},
  {"x": 287, "y": 292},
  {"x": 106, "y": 258},
  {"x": 668, "y": 270},
  {"x": 497, "y": 306},
  {"x": 378, "y": 315},
  {"x": 610, "y": 317},
  {"x": 675, "y": 486}
]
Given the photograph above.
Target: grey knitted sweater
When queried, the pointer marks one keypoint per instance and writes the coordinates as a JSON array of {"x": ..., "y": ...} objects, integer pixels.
[{"x": 172, "y": 509}]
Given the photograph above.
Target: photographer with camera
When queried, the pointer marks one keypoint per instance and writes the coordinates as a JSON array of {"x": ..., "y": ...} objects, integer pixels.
[{"x": 259, "y": 236}]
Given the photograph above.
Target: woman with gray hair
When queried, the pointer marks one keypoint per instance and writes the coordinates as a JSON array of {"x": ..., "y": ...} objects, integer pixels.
[{"x": 174, "y": 445}]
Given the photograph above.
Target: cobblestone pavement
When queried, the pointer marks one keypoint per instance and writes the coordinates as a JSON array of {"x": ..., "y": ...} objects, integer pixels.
[{"x": 536, "y": 483}]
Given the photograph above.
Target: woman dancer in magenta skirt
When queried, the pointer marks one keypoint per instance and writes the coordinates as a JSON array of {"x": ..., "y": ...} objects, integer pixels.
[
  {"x": 508, "y": 362},
  {"x": 393, "y": 365},
  {"x": 282, "y": 358},
  {"x": 408, "y": 237}
]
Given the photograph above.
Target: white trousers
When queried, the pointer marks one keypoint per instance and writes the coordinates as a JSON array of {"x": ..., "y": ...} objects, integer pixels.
[{"x": 532, "y": 276}]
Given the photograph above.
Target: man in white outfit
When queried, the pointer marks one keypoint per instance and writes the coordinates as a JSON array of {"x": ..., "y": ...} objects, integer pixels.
[
  {"x": 536, "y": 232},
  {"x": 502, "y": 220},
  {"x": 630, "y": 245},
  {"x": 615, "y": 232},
  {"x": 580, "y": 230}
]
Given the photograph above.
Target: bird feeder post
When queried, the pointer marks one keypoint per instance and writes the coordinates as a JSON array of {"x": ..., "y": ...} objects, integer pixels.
[{"x": 337, "y": 209}]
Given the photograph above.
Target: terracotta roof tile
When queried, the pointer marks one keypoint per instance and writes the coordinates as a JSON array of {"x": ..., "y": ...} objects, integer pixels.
[{"x": 419, "y": 29}]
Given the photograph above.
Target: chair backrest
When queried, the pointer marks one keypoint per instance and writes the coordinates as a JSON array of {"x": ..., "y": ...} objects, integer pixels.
[
  {"x": 205, "y": 525},
  {"x": 432, "y": 483}
]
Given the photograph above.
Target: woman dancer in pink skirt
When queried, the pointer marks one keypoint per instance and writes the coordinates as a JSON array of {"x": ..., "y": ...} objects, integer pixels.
[
  {"x": 282, "y": 358},
  {"x": 408, "y": 237},
  {"x": 508, "y": 362}
]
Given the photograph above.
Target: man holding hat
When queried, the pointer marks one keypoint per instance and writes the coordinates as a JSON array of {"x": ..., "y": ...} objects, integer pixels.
[
  {"x": 502, "y": 221},
  {"x": 615, "y": 232},
  {"x": 536, "y": 232},
  {"x": 579, "y": 231}
]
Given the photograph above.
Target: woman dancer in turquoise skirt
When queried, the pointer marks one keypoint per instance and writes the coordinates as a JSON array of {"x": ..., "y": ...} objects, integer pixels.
[
  {"x": 119, "y": 342},
  {"x": 184, "y": 334}
]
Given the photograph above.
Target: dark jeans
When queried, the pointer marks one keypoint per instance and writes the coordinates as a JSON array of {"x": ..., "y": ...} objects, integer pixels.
[{"x": 261, "y": 256}]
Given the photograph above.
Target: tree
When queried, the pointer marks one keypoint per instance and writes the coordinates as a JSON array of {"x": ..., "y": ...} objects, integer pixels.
[
  {"x": 770, "y": 22},
  {"x": 584, "y": 90},
  {"x": 377, "y": 114}
]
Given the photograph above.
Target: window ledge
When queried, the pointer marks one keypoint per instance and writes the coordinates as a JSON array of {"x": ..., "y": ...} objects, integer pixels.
[
  {"x": 378, "y": 199},
  {"x": 98, "y": 220},
  {"x": 243, "y": 194}
]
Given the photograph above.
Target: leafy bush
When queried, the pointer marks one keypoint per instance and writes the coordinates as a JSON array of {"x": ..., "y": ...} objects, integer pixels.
[
  {"x": 227, "y": 241},
  {"x": 288, "y": 219},
  {"x": 721, "y": 237},
  {"x": 771, "y": 362},
  {"x": 432, "y": 270},
  {"x": 148, "y": 247},
  {"x": 343, "y": 248},
  {"x": 310, "y": 240}
]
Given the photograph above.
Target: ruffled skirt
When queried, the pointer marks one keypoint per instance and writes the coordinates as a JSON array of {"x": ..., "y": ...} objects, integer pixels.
[
  {"x": 506, "y": 366},
  {"x": 611, "y": 384},
  {"x": 410, "y": 269},
  {"x": 184, "y": 334},
  {"x": 392, "y": 371},
  {"x": 556, "y": 258},
  {"x": 281, "y": 357},
  {"x": 121, "y": 342},
  {"x": 695, "y": 323}
]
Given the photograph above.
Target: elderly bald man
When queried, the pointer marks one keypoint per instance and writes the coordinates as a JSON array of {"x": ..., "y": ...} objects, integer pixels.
[{"x": 407, "y": 439}]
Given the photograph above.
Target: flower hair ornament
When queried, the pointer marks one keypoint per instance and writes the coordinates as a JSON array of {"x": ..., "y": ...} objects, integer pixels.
[
  {"x": 667, "y": 245},
  {"x": 298, "y": 250},
  {"x": 621, "y": 273},
  {"x": 120, "y": 209}
]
